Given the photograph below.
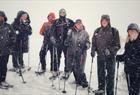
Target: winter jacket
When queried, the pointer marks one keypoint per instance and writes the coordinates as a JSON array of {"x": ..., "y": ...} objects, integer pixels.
[
  {"x": 59, "y": 30},
  {"x": 131, "y": 55},
  {"x": 23, "y": 30},
  {"x": 7, "y": 39},
  {"x": 46, "y": 32},
  {"x": 105, "y": 39},
  {"x": 77, "y": 42}
]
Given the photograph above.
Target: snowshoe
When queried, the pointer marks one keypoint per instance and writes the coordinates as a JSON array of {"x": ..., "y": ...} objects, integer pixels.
[
  {"x": 13, "y": 69},
  {"x": 99, "y": 92},
  {"x": 3, "y": 87},
  {"x": 65, "y": 76},
  {"x": 84, "y": 84},
  {"x": 19, "y": 71},
  {"x": 5, "y": 84},
  {"x": 40, "y": 72},
  {"x": 55, "y": 75}
]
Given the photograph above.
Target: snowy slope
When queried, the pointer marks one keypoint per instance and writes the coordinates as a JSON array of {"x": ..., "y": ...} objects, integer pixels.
[{"x": 41, "y": 85}]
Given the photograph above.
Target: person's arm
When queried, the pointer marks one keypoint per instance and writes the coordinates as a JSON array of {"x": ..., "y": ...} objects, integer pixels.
[
  {"x": 116, "y": 42},
  {"x": 87, "y": 41},
  {"x": 94, "y": 47},
  {"x": 12, "y": 36},
  {"x": 71, "y": 23},
  {"x": 42, "y": 30},
  {"x": 67, "y": 42}
]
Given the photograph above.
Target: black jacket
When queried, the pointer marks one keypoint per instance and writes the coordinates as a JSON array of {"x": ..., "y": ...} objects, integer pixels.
[
  {"x": 105, "y": 38},
  {"x": 131, "y": 55},
  {"x": 7, "y": 39},
  {"x": 23, "y": 30},
  {"x": 60, "y": 28}
]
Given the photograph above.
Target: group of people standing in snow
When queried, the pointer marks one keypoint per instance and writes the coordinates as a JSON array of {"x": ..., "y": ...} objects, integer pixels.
[{"x": 71, "y": 38}]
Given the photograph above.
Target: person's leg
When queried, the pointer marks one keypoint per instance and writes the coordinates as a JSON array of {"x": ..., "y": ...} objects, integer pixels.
[
  {"x": 101, "y": 72},
  {"x": 1, "y": 68},
  {"x": 135, "y": 81},
  {"x": 42, "y": 55},
  {"x": 51, "y": 54},
  {"x": 21, "y": 62},
  {"x": 14, "y": 60},
  {"x": 4, "y": 61},
  {"x": 58, "y": 52},
  {"x": 110, "y": 66},
  {"x": 65, "y": 58}
]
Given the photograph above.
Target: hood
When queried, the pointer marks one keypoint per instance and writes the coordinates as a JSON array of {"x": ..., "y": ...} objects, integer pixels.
[
  {"x": 19, "y": 14},
  {"x": 3, "y": 15},
  {"x": 106, "y": 17}
]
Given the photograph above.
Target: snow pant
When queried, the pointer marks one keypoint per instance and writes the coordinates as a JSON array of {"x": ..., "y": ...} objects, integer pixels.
[
  {"x": 133, "y": 80},
  {"x": 61, "y": 49},
  {"x": 17, "y": 59},
  {"x": 3, "y": 67},
  {"x": 43, "y": 54},
  {"x": 76, "y": 64},
  {"x": 106, "y": 73}
]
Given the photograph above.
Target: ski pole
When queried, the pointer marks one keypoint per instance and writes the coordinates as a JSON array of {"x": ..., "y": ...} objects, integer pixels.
[
  {"x": 90, "y": 76},
  {"x": 53, "y": 65},
  {"x": 117, "y": 78},
  {"x": 56, "y": 54},
  {"x": 29, "y": 68},
  {"x": 20, "y": 74},
  {"x": 19, "y": 67},
  {"x": 64, "y": 90}
]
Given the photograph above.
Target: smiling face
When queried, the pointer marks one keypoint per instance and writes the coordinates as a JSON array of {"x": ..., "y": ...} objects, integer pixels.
[
  {"x": 104, "y": 23},
  {"x": 51, "y": 18}
]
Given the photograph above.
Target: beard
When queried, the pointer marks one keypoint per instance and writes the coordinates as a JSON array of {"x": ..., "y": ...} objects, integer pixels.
[{"x": 132, "y": 37}]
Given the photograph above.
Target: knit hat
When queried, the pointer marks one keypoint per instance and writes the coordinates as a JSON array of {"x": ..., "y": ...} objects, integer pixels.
[{"x": 133, "y": 26}]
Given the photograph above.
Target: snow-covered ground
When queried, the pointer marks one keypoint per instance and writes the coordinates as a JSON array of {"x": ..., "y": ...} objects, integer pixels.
[
  {"x": 41, "y": 85},
  {"x": 87, "y": 10}
]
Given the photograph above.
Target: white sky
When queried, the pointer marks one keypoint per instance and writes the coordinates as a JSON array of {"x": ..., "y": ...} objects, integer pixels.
[{"x": 121, "y": 12}]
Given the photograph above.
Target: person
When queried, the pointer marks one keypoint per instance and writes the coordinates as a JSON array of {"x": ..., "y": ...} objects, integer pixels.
[
  {"x": 77, "y": 44},
  {"x": 106, "y": 43},
  {"x": 131, "y": 59},
  {"x": 58, "y": 36},
  {"x": 7, "y": 40},
  {"x": 47, "y": 45},
  {"x": 23, "y": 29}
]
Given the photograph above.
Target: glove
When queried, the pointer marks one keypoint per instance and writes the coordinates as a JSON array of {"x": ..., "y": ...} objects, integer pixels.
[
  {"x": 87, "y": 46},
  {"x": 119, "y": 58},
  {"x": 92, "y": 54},
  {"x": 107, "y": 52}
]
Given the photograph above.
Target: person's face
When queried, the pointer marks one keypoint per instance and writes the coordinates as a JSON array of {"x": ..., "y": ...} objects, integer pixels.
[
  {"x": 131, "y": 32},
  {"x": 50, "y": 18},
  {"x": 104, "y": 23},
  {"x": 79, "y": 25},
  {"x": 24, "y": 17},
  {"x": 62, "y": 13},
  {"x": 1, "y": 18}
]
